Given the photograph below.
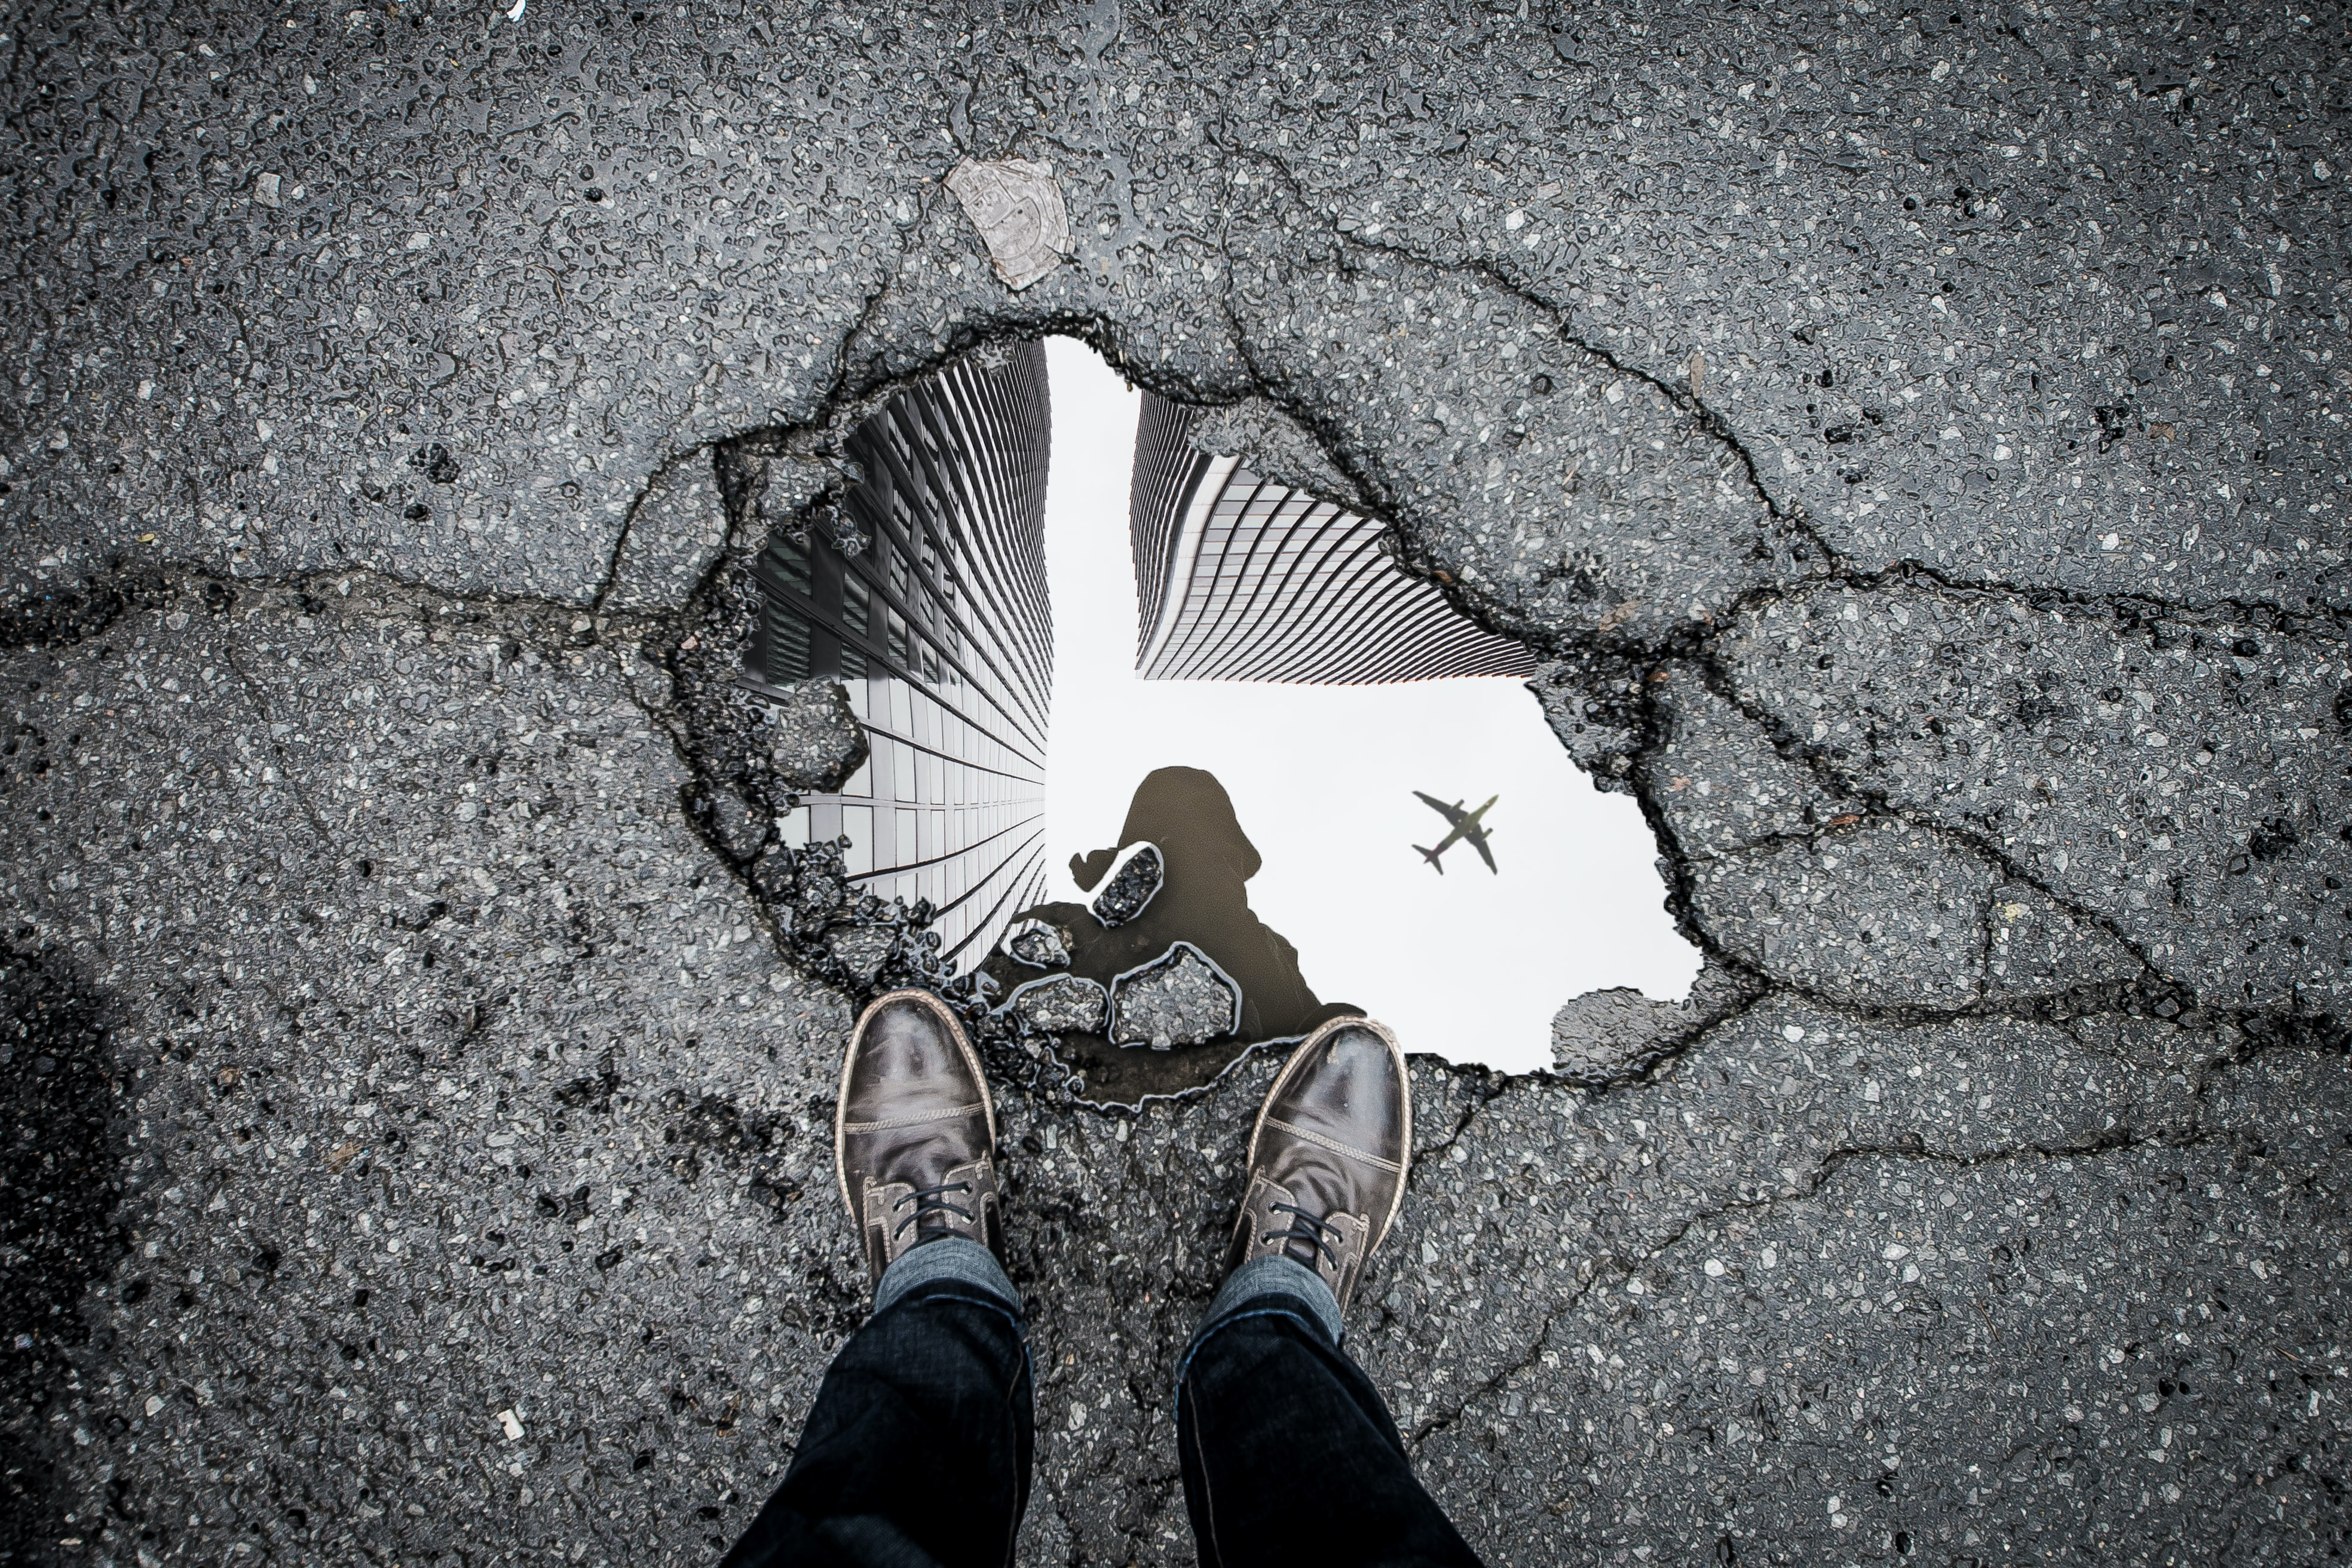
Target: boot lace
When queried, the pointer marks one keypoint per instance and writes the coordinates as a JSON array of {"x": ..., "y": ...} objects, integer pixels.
[
  {"x": 1307, "y": 1227},
  {"x": 930, "y": 1200}
]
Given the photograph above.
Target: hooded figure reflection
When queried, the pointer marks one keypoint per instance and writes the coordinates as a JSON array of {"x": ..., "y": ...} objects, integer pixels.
[{"x": 1202, "y": 899}]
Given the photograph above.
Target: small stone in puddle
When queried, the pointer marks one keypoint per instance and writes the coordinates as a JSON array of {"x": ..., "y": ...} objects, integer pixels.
[
  {"x": 741, "y": 826},
  {"x": 862, "y": 949},
  {"x": 1606, "y": 1036},
  {"x": 1019, "y": 212},
  {"x": 1039, "y": 945},
  {"x": 1062, "y": 1004},
  {"x": 1132, "y": 887},
  {"x": 1179, "y": 998},
  {"x": 814, "y": 741}
]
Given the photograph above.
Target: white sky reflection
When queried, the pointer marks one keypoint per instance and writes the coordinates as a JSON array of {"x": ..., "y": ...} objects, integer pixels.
[{"x": 1467, "y": 964}]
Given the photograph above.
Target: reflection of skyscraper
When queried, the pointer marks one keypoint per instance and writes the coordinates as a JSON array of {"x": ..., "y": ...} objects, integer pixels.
[
  {"x": 939, "y": 630},
  {"x": 1243, "y": 579}
]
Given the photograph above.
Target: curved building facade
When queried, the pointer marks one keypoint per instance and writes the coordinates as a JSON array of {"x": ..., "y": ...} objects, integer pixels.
[
  {"x": 1238, "y": 578},
  {"x": 940, "y": 630}
]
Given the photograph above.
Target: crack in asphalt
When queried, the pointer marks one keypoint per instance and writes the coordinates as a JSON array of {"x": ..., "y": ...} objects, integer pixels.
[
  {"x": 1697, "y": 648},
  {"x": 1681, "y": 396},
  {"x": 1828, "y": 1163},
  {"x": 1378, "y": 503},
  {"x": 649, "y": 627},
  {"x": 256, "y": 698},
  {"x": 622, "y": 535},
  {"x": 1825, "y": 1169},
  {"x": 1782, "y": 738},
  {"x": 1836, "y": 568},
  {"x": 613, "y": 630},
  {"x": 1486, "y": 1085},
  {"x": 1655, "y": 1059},
  {"x": 2322, "y": 620}
]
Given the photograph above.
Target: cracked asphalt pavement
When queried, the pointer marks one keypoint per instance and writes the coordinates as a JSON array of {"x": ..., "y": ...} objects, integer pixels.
[{"x": 1914, "y": 440}]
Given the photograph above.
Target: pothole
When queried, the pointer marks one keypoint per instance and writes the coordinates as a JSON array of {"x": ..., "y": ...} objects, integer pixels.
[
  {"x": 1164, "y": 967},
  {"x": 922, "y": 593},
  {"x": 1201, "y": 794}
]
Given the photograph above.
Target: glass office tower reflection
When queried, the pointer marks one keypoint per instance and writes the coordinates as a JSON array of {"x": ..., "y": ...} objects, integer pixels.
[
  {"x": 1242, "y": 579},
  {"x": 939, "y": 631}
]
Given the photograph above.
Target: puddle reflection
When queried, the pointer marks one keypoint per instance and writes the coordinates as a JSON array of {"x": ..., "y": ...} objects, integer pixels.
[{"x": 1207, "y": 861}]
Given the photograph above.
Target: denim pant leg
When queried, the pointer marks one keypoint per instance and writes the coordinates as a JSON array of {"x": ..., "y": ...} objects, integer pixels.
[
  {"x": 1289, "y": 1455},
  {"x": 917, "y": 1451}
]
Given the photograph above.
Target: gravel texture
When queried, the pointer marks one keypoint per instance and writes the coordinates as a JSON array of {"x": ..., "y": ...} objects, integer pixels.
[
  {"x": 1062, "y": 1004},
  {"x": 1609, "y": 1037},
  {"x": 1914, "y": 441},
  {"x": 1132, "y": 887},
  {"x": 1179, "y": 998},
  {"x": 1036, "y": 945},
  {"x": 818, "y": 741}
]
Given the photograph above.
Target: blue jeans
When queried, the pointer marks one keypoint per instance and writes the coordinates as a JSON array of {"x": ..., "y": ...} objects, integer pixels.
[{"x": 916, "y": 1451}]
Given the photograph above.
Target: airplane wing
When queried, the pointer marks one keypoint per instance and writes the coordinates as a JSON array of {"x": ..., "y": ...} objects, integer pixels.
[
  {"x": 1440, "y": 808},
  {"x": 1478, "y": 842}
]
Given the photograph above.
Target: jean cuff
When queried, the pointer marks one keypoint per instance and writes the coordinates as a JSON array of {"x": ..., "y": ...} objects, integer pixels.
[
  {"x": 1275, "y": 1275},
  {"x": 955, "y": 1259}
]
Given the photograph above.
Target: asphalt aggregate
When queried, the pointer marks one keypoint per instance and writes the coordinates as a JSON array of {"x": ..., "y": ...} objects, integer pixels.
[{"x": 1912, "y": 435}]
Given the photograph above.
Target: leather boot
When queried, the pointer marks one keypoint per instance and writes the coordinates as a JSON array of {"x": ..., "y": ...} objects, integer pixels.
[
  {"x": 1329, "y": 1155},
  {"x": 914, "y": 1135}
]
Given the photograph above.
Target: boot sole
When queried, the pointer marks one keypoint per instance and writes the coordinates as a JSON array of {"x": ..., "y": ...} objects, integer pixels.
[
  {"x": 1404, "y": 1081},
  {"x": 946, "y": 1016}
]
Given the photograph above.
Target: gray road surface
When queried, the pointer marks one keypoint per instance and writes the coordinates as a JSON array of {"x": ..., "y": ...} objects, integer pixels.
[{"x": 1917, "y": 438}]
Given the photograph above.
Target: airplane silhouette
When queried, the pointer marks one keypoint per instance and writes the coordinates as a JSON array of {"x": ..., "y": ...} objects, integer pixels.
[{"x": 1465, "y": 826}]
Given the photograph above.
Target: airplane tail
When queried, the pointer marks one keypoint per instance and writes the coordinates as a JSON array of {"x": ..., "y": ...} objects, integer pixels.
[{"x": 1431, "y": 855}]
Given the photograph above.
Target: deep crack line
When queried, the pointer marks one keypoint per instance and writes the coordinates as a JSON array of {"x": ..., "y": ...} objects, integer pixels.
[
  {"x": 1687, "y": 399},
  {"x": 1825, "y": 1169},
  {"x": 1837, "y": 567},
  {"x": 623, "y": 535},
  {"x": 1379, "y": 502},
  {"x": 1840, "y": 569},
  {"x": 1782, "y": 738},
  {"x": 2329, "y": 620}
]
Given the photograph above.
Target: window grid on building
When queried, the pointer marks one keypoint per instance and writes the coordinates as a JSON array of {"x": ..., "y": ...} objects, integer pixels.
[
  {"x": 939, "y": 632},
  {"x": 1242, "y": 579}
]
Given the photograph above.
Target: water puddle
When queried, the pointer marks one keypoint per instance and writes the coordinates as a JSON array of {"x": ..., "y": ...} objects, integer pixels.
[
  {"x": 1195, "y": 863},
  {"x": 1179, "y": 761},
  {"x": 1314, "y": 783}
]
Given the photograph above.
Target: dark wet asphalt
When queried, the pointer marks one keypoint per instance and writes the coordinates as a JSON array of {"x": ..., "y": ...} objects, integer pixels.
[{"x": 1916, "y": 440}]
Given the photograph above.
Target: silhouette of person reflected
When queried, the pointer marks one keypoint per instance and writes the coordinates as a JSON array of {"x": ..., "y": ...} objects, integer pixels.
[{"x": 1203, "y": 899}]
